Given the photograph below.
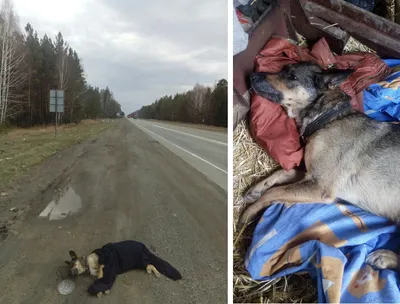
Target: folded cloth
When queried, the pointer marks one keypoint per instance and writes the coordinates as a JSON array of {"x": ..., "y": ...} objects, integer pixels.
[
  {"x": 123, "y": 256},
  {"x": 382, "y": 99},
  {"x": 272, "y": 128},
  {"x": 331, "y": 243}
]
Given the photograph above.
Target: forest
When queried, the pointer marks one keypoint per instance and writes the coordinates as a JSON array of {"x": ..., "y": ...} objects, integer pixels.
[
  {"x": 202, "y": 105},
  {"x": 31, "y": 66}
]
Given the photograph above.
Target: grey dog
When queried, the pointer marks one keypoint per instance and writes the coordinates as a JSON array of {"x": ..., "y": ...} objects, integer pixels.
[{"x": 348, "y": 156}]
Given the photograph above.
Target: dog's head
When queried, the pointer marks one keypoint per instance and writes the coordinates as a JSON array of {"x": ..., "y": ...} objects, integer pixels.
[
  {"x": 77, "y": 265},
  {"x": 297, "y": 85}
]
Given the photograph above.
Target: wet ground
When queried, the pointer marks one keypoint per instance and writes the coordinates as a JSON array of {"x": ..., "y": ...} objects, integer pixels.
[
  {"x": 66, "y": 203},
  {"x": 122, "y": 185}
]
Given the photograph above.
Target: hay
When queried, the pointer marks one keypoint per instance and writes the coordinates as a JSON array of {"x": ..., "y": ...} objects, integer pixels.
[
  {"x": 354, "y": 45},
  {"x": 250, "y": 164}
]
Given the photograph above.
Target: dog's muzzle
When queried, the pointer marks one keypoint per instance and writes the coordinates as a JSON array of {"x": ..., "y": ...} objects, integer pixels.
[
  {"x": 257, "y": 77},
  {"x": 73, "y": 272},
  {"x": 263, "y": 88}
]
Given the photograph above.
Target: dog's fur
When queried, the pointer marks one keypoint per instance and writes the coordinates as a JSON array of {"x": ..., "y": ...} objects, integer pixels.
[
  {"x": 350, "y": 157},
  {"x": 142, "y": 256}
]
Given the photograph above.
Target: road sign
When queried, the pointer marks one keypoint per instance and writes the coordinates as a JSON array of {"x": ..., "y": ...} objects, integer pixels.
[
  {"x": 56, "y": 104},
  {"x": 57, "y": 101},
  {"x": 60, "y": 108}
]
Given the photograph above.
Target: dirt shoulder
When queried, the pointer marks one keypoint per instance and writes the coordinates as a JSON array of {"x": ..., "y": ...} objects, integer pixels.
[
  {"x": 32, "y": 160},
  {"x": 130, "y": 187},
  {"x": 21, "y": 149}
]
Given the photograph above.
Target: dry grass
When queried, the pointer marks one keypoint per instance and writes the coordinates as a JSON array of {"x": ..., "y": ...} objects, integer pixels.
[
  {"x": 250, "y": 164},
  {"x": 354, "y": 45},
  {"x": 21, "y": 149}
]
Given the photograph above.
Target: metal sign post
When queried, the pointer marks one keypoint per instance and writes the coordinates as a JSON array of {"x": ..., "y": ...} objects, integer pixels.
[{"x": 56, "y": 105}]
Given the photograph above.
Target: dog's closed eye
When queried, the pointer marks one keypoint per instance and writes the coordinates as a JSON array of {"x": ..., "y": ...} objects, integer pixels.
[{"x": 292, "y": 76}]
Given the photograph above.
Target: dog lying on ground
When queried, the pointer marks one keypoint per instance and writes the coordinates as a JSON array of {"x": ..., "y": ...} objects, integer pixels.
[
  {"x": 347, "y": 155},
  {"x": 115, "y": 258}
]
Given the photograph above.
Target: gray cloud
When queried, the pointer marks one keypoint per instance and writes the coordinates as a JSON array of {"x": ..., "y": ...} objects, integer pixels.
[{"x": 144, "y": 50}]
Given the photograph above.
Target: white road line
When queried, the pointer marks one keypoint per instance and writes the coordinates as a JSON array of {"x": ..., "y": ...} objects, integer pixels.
[
  {"x": 188, "y": 134},
  {"x": 206, "y": 161}
]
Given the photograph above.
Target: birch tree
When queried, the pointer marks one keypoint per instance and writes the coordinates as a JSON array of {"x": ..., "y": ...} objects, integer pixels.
[
  {"x": 62, "y": 61},
  {"x": 31, "y": 66},
  {"x": 11, "y": 58}
]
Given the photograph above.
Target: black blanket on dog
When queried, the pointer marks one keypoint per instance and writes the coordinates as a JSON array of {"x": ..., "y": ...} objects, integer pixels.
[{"x": 123, "y": 256}]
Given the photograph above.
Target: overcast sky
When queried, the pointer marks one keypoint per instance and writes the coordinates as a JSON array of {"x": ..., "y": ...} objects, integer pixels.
[{"x": 142, "y": 50}]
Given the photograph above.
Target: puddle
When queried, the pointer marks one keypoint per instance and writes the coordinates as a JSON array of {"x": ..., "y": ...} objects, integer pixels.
[{"x": 65, "y": 204}]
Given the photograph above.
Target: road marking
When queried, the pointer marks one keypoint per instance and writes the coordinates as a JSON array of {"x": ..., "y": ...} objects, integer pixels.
[
  {"x": 206, "y": 161},
  {"x": 188, "y": 134}
]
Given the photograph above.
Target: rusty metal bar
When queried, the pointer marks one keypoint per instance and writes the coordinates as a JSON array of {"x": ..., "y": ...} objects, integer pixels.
[
  {"x": 271, "y": 23},
  {"x": 312, "y": 33},
  {"x": 372, "y": 30}
]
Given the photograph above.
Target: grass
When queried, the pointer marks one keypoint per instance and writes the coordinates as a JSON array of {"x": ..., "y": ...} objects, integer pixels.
[
  {"x": 21, "y": 149},
  {"x": 250, "y": 164}
]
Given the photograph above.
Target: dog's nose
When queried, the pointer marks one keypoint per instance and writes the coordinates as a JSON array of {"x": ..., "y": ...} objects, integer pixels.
[{"x": 256, "y": 77}]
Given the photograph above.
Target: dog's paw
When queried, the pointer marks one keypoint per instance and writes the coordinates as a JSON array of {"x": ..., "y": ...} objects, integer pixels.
[
  {"x": 255, "y": 192},
  {"x": 107, "y": 292},
  {"x": 245, "y": 218},
  {"x": 151, "y": 269},
  {"x": 99, "y": 294},
  {"x": 382, "y": 259},
  {"x": 251, "y": 212},
  {"x": 251, "y": 196}
]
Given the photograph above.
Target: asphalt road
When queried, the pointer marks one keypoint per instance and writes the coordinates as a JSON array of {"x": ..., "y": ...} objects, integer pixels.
[
  {"x": 205, "y": 150},
  {"x": 122, "y": 185}
]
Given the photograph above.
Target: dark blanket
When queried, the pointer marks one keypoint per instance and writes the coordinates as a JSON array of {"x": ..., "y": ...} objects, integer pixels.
[{"x": 123, "y": 256}]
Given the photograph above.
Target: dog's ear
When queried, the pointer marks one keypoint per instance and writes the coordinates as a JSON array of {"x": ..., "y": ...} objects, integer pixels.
[
  {"x": 331, "y": 78},
  {"x": 68, "y": 263},
  {"x": 73, "y": 255}
]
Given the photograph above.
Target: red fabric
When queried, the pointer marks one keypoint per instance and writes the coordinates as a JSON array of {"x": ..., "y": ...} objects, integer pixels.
[{"x": 270, "y": 125}]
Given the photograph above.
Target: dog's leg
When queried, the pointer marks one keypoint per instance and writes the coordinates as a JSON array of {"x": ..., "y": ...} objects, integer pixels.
[
  {"x": 383, "y": 259},
  {"x": 151, "y": 269},
  {"x": 100, "y": 272},
  {"x": 100, "y": 275},
  {"x": 304, "y": 191},
  {"x": 278, "y": 178}
]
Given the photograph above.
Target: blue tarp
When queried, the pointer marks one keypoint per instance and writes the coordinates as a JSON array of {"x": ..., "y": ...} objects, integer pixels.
[
  {"x": 383, "y": 103},
  {"x": 331, "y": 243},
  {"x": 365, "y": 4}
]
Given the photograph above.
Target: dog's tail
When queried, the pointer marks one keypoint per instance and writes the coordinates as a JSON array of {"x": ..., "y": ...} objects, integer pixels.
[{"x": 164, "y": 267}]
